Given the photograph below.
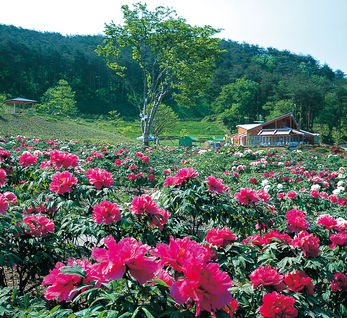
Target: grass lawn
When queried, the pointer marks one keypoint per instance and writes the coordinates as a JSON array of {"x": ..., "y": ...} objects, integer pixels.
[
  {"x": 56, "y": 127},
  {"x": 93, "y": 130}
]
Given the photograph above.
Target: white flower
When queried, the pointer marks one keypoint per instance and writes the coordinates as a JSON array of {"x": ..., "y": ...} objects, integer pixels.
[
  {"x": 340, "y": 183},
  {"x": 315, "y": 187},
  {"x": 341, "y": 189},
  {"x": 336, "y": 191},
  {"x": 280, "y": 186},
  {"x": 265, "y": 182},
  {"x": 267, "y": 188}
]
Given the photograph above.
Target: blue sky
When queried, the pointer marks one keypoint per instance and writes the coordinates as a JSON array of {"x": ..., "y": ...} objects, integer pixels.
[{"x": 314, "y": 27}]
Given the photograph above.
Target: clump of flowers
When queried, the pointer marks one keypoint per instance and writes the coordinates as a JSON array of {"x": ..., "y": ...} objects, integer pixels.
[
  {"x": 61, "y": 285},
  {"x": 246, "y": 196},
  {"x": 267, "y": 276},
  {"x": 327, "y": 221},
  {"x": 62, "y": 182},
  {"x": 144, "y": 206},
  {"x": 106, "y": 212},
  {"x": 100, "y": 178},
  {"x": 197, "y": 280},
  {"x": 298, "y": 280},
  {"x": 3, "y": 204},
  {"x": 182, "y": 176},
  {"x": 296, "y": 221},
  {"x": 27, "y": 159},
  {"x": 308, "y": 243},
  {"x": 127, "y": 254},
  {"x": 3, "y": 175},
  {"x": 216, "y": 185},
  {"x": 63, "y": 159},
  {"x": 338, "y": 239},
  {"x": 277, "y": 305},
  {"x": 37, "y": 225},
  {"x": 220, "y": 237},
  {"x": 339, "y": 282}
]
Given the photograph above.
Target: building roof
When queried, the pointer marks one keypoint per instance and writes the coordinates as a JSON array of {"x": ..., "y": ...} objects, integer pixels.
[
  {"x": 20, "y": 100},
  {"x": 251, "y": 126},
  {"x": 248, "y": 126}
]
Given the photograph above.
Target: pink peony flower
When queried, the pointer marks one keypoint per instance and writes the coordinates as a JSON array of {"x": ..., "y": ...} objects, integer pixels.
[
  {"x": 63, "y": 159},
  {"x": 308, "y": 243},
  {"x": 333, "y": 198},
  {"x": 3, "y": 175},
  {"x": 216, "y": 185},
  {"x": 62, "y": 182},
  {"x": 263, "y": 195},
  {"x": 184, "y": 175},
  {"x": 106, "y": 212},
  {"x": 314, "y": 193},
  {"x": 246, "y": 196},
  {"x": 220, "y": 237},
  {"x": 338, "y": 239},
  {"x": 277, "y": 305},
  {"x": 181, "y": 253},
  {"x": 296, "y": 221},
  {"x": 37, "y": 225},
  {"x": 62, "y": 284},
  {"x": 27, "y": 159},
  {"x": 3, "y": 204},
  {"x": 291, "y": 195},
  {"x": 100, "y": 178},
  {"x": 127, "y": 254},
  {"x": 327, "y": 221},
  {"x": 267, "y": 276},
  {"x": 339, "y": 282},
  {"x": 207, "y": 285},
  {"x": 297, "y": 280}
]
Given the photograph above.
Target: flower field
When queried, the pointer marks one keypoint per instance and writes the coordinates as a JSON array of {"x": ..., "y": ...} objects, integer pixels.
[{"x": 97, "y": 230}]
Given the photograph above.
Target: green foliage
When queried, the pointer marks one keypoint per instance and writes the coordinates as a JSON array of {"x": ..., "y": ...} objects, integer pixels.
[
  {"x": 236, "y": 102},
  {"x": 164, "y": 121},
  {"x": 59, "y": 99},
  {"x": 171, "y": 54}
]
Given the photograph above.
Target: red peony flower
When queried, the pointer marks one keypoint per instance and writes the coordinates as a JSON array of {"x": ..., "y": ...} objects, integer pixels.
[
  {"x": 308, "y": 243},
  {"x": 37, "y": 225},
  {"x": 267, "y": 276},
  {"x": 297, "y": 280},
  {"x": 338, "y": 239},
  {"x": 3, "y": 204},
  {"x": 291, "y": 195},
  {"x": 314, "y": 193},
  {"x": 339, "y": 282},
  {"x": 246, "y": 196},
  {"x": 106, "y": 212},
  {"x": 216, "y": 185},
  {"x": 63, "y": 159},
  {"x": 27, "y": 159},
  {"x": 100, "y": 178},
  {"x": 278, "y": 306},
  {"x": 296, "y": 221},
  {"x": 220, "y": 237},
  {"x": 333, "y": 198},
  {"x": 263, "y": 195},
  {"x": 62, "y": 182},
  {"x": 327, "y": 221},
  {"x": 126, "y": 254},
  {"x": 181, "y": 253},
  {"x": 253, "y": 181},
  {"x": 62, "y": 284},
  {"x": 3, "y": 175},
  {"x": 207, "y": 285}
]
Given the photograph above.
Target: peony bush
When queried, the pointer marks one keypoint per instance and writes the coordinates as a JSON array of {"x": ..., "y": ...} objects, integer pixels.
[{"x": 99, "y": 230}]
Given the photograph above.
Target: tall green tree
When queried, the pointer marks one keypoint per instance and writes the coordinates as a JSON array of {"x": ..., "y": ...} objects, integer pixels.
[
  {"x": 164, "y": 121},
  {"x": 59, "y": 99},
  {"x": 171, "y": 54},
  {"x": 237, "y": 102}
]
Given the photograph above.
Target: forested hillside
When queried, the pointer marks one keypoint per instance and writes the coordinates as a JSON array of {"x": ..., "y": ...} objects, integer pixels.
[{"x": 250, "y": 83}]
